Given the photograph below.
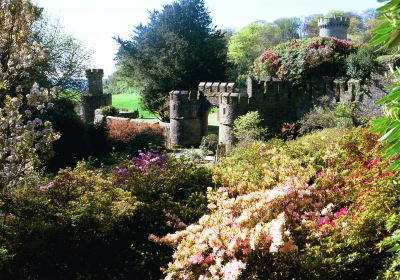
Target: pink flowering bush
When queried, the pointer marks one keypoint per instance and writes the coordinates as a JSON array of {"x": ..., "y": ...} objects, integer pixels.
[
  {"x": 299, "y": 60},
  {"x": 303, "y": 209}
]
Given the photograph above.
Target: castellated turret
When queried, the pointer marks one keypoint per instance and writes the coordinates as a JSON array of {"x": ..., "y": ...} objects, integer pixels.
[
  {"x": 334, "y": 27},
  {"x": 94, "y": 98},
  {"x": 95, "y": 81},
  {"x": 185, "y": 124}
]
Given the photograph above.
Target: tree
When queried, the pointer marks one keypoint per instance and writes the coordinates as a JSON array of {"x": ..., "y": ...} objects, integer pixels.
[
  {"x": 310, "y": 26},
  {"x": 289, "y": 28},
  {"x": 247, "y": 44},
  {"x": 23, "y": 135},
  {"x": 66, "y": 57},
  {"x": 177, "y": 49}
]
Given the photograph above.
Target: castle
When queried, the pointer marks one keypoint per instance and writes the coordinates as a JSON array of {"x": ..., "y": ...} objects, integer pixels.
[{"x": 276, "y": 101}]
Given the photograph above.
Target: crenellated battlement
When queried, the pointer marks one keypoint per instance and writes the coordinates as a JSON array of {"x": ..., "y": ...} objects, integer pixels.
[
  {"x": 213, "y": 88},
  {"x": 184, "y": 95},
  {"x": 335, "y": 21},
  {"x": 94, "y": 73}
]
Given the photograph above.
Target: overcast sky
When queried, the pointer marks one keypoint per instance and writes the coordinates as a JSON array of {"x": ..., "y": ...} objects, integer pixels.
[{"x": 96, "y": 22}]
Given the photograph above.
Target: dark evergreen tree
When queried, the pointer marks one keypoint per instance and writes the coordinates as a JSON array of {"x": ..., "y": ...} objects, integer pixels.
[{"x": 177, "y": 49}]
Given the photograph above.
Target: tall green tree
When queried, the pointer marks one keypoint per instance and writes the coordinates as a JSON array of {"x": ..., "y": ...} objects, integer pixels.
[
  {"x": 66, "y": 57},
  {"x": 247, "y": 44},
  {"x": 177, "y": 49},
  {"x": 289, "y": 28}
]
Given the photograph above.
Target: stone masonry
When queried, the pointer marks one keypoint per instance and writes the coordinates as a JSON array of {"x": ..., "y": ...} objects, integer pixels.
[
  {"x": 334, "y": 27},
  {"x": 94, "y": 98},
  {"x": 276, "y": 101}
]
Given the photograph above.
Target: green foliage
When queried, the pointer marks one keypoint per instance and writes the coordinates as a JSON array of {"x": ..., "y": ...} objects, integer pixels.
[
  {"x": 209, "y": 143},
  {"x": 318, "y": 118},
  {"x": 177, "y": 49},
  {"x": 289, "y": 28},
  {"x": 145, "y": 139},
  {"x": 344, "y": 115},
  {"x": 298, "y": 61},
  {"x": 249, "y": 127},
  {"x": 362, "y": 64},
  {"x": 77, "y": 140},
  {"x": 247, "y": 44},
  {"x": 87, "y": 224},
  {"x": 387, "y": 37},
  {"x": 109, "y": 111}
]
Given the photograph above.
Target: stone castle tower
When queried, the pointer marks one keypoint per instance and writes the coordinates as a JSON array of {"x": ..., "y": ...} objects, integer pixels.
[
  {"x": 94, "y": 98},
  {"x": 334, "y": 27}
]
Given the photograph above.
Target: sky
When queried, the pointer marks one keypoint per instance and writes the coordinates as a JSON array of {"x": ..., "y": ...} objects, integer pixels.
[{"x": 96, "y": 22}]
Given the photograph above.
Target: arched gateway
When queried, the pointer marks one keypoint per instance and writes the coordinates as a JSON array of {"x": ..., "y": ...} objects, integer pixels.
[{"x": 189, "y": 112}]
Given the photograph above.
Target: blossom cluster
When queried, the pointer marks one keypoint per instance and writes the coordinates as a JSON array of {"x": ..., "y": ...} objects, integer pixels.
[
  {"x": 298, "y": 60},
  {"x": 22, "y": 136},
  {"x": 149, "y": 160}
]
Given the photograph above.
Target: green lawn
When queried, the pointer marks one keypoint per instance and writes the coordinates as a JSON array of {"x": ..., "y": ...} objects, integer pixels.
[{"x": 131, "y": 102}]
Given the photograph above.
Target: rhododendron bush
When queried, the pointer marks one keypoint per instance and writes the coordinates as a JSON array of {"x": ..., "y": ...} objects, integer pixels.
[
  {"x": 299, "y": 209},
  {"x": 298, "y": 61}
]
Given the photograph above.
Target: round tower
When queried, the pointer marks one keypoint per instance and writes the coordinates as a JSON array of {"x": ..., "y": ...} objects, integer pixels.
[
  {"x": 231, "y": 106},
  {"x": 334, "y": 27},
  {"x": 185, "y": 123}
]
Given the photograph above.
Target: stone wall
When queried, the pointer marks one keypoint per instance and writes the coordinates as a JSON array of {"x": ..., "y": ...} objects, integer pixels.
[{"x": 277, "y": 102}]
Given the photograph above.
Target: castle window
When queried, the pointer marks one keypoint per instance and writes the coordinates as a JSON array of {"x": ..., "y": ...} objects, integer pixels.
[{"x": 224, "y": 111}]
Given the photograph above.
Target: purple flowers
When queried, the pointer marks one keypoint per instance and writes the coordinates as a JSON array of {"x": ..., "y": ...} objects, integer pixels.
[{"x": 149, "y": 160}]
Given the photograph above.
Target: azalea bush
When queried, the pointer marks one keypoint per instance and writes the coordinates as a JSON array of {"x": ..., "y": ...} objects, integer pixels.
[
  {"x": 303, "y": 209},
  {"x": 94, "y": 224},
  {"x": 298, "y": 61}
]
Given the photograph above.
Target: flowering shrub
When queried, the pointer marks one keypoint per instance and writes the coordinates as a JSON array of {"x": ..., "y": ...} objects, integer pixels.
[
  {"x": 149, "y": 160},
  {"x": 307, "y": 209},
  {"x": 94, "y": 224},
  {"x": 24, "y": 135},
  {"x": 299, "y": 60}
]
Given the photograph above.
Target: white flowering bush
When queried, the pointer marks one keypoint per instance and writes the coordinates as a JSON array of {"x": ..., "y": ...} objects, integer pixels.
[
  {"x": 23, "y": 134},
  {"x": 256, "y": 210}
]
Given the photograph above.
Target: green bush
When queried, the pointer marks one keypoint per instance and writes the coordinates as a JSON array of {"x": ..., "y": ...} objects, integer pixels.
[
  {"x": 145, "y": 139},
  {"x": 96, "y": 225},
  {"x": 249, "y": 127},
  {"x": 78, "y": 140},
  {"x": 362, "y": 64},
  {"x": 109, "y": 111},
  {"x": 209, "y": 143}
]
